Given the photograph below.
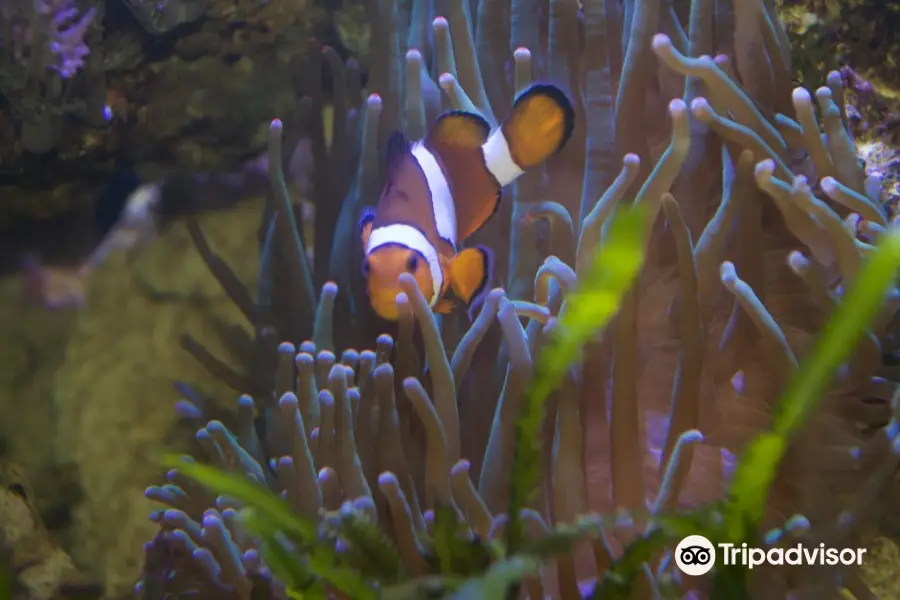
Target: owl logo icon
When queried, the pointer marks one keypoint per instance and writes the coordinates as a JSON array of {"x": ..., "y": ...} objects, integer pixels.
[{"x": 695, "y": 555}]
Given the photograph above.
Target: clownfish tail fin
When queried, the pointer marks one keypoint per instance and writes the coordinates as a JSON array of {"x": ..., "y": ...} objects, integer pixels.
[{"x": 539, "y": 125}]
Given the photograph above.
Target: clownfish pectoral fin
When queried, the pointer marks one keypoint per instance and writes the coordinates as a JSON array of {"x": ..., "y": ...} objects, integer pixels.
[
  {"x": 398, "y": 147},
  {"x": 444, "y": 306},
  {"x": 539, "y": 125},
  {"x": 471, "y": 272},
  {"x": 365, "y": 224},
  {"x": 459, "y": 128}
]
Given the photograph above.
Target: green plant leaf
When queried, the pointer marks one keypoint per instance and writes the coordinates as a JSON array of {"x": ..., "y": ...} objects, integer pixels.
[
  {"x": 663, "y": 531},
  {"x": 807, "y": 388},
  {"x": 286, "y": 566},
  {"x": 841, "y": 335},
  {"x": 680, "y": 525},
  {"x": 311, "y": 594},
  {"x": 619, "y": 580},
  {"x": 270, "y": 507},
  {"x": 563, "y": 537},
  {"x": 429, "y": 586},
  {"x": 376, "y": 557},
  {"x": 753, "y": 477},
  {"x": 730, "y": 581},
  {"x": 265, "y": 514},
  {"x": 494, "y": 584},
  {"x": 456, "y": 551},
  {"x": 668, "y": 588},
  {"x": 445, "y": 538},
  {"x": 264, "y": 587},
  {"x": 588, "y": 309}
]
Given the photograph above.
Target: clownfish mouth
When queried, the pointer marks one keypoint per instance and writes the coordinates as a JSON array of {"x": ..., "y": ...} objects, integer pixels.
[
  {"x": 386, "y": 310},
  {"x": 384, "y": 303}
]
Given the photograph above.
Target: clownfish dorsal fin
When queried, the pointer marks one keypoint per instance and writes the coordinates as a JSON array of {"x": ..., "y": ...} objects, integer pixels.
[
  {"x": 398, "y": 148},
  {"x": 539, "y": 125},
  {"x": 459, "y": 128},
  {"x": 366, "y": 220}
]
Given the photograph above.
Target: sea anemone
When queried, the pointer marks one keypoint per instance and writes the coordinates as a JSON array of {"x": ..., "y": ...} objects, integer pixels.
[{"x": 760, "y": 214}]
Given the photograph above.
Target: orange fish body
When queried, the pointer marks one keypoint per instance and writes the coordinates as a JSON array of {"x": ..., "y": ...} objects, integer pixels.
[{"x": 442, "y": 189}]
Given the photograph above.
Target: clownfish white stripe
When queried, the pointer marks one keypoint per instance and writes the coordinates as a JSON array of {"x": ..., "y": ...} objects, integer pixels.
[
  {"x": 441, "y": 198},
  {"x": 499, "y": 160},
  {"x": 412, "y": 238}
]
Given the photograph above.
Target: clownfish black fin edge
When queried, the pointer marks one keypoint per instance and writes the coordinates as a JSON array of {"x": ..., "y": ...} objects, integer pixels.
[
  {"x": 471, "y": 272},
  {"x": 562, "y": 101},
  {"x": 488, "y": 260},
  {"x": 475, "y": 303},
  {"x": 397, "y": 148},
  {"x": 539, "y": 125},
  {"x": 366, "y": 216},
  {"x": 366, "y": 219},
  {"x": 459, "y": 128}
]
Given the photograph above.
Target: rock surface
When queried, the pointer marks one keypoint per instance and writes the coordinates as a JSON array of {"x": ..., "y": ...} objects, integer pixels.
[
  {"x": 41, "y": 570},
  {"x": 114, "y": 394}
]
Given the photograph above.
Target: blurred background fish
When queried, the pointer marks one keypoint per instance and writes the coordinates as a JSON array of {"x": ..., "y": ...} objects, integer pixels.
[{"x": 129, "y": 213}]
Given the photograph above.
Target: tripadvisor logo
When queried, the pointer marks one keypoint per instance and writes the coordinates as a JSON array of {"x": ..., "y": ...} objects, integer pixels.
[{"x": 695, "y": 555}]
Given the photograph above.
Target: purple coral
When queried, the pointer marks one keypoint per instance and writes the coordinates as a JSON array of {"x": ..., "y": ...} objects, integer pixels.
[
  {"x": 66, "y": 32},
  {"x": 48, "y": 34}
]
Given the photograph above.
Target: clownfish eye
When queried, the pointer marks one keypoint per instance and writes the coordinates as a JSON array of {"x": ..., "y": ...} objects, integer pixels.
[
  {"x": 412, "y": 263},
  {"x": 366, "y": 267}
]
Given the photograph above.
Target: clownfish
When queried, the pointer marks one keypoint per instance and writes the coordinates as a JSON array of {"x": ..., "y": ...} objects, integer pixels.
[{"x": 442, "y": 189}]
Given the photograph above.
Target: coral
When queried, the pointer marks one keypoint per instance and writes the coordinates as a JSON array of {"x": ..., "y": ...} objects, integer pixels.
[
  {"x": 44, "y": 46},
  {"x": 757, "y": 222},
  {"x": 856, "y": 33},
  {"x": 47, "y": 34},
  {"x": 128, "y": 102}
]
